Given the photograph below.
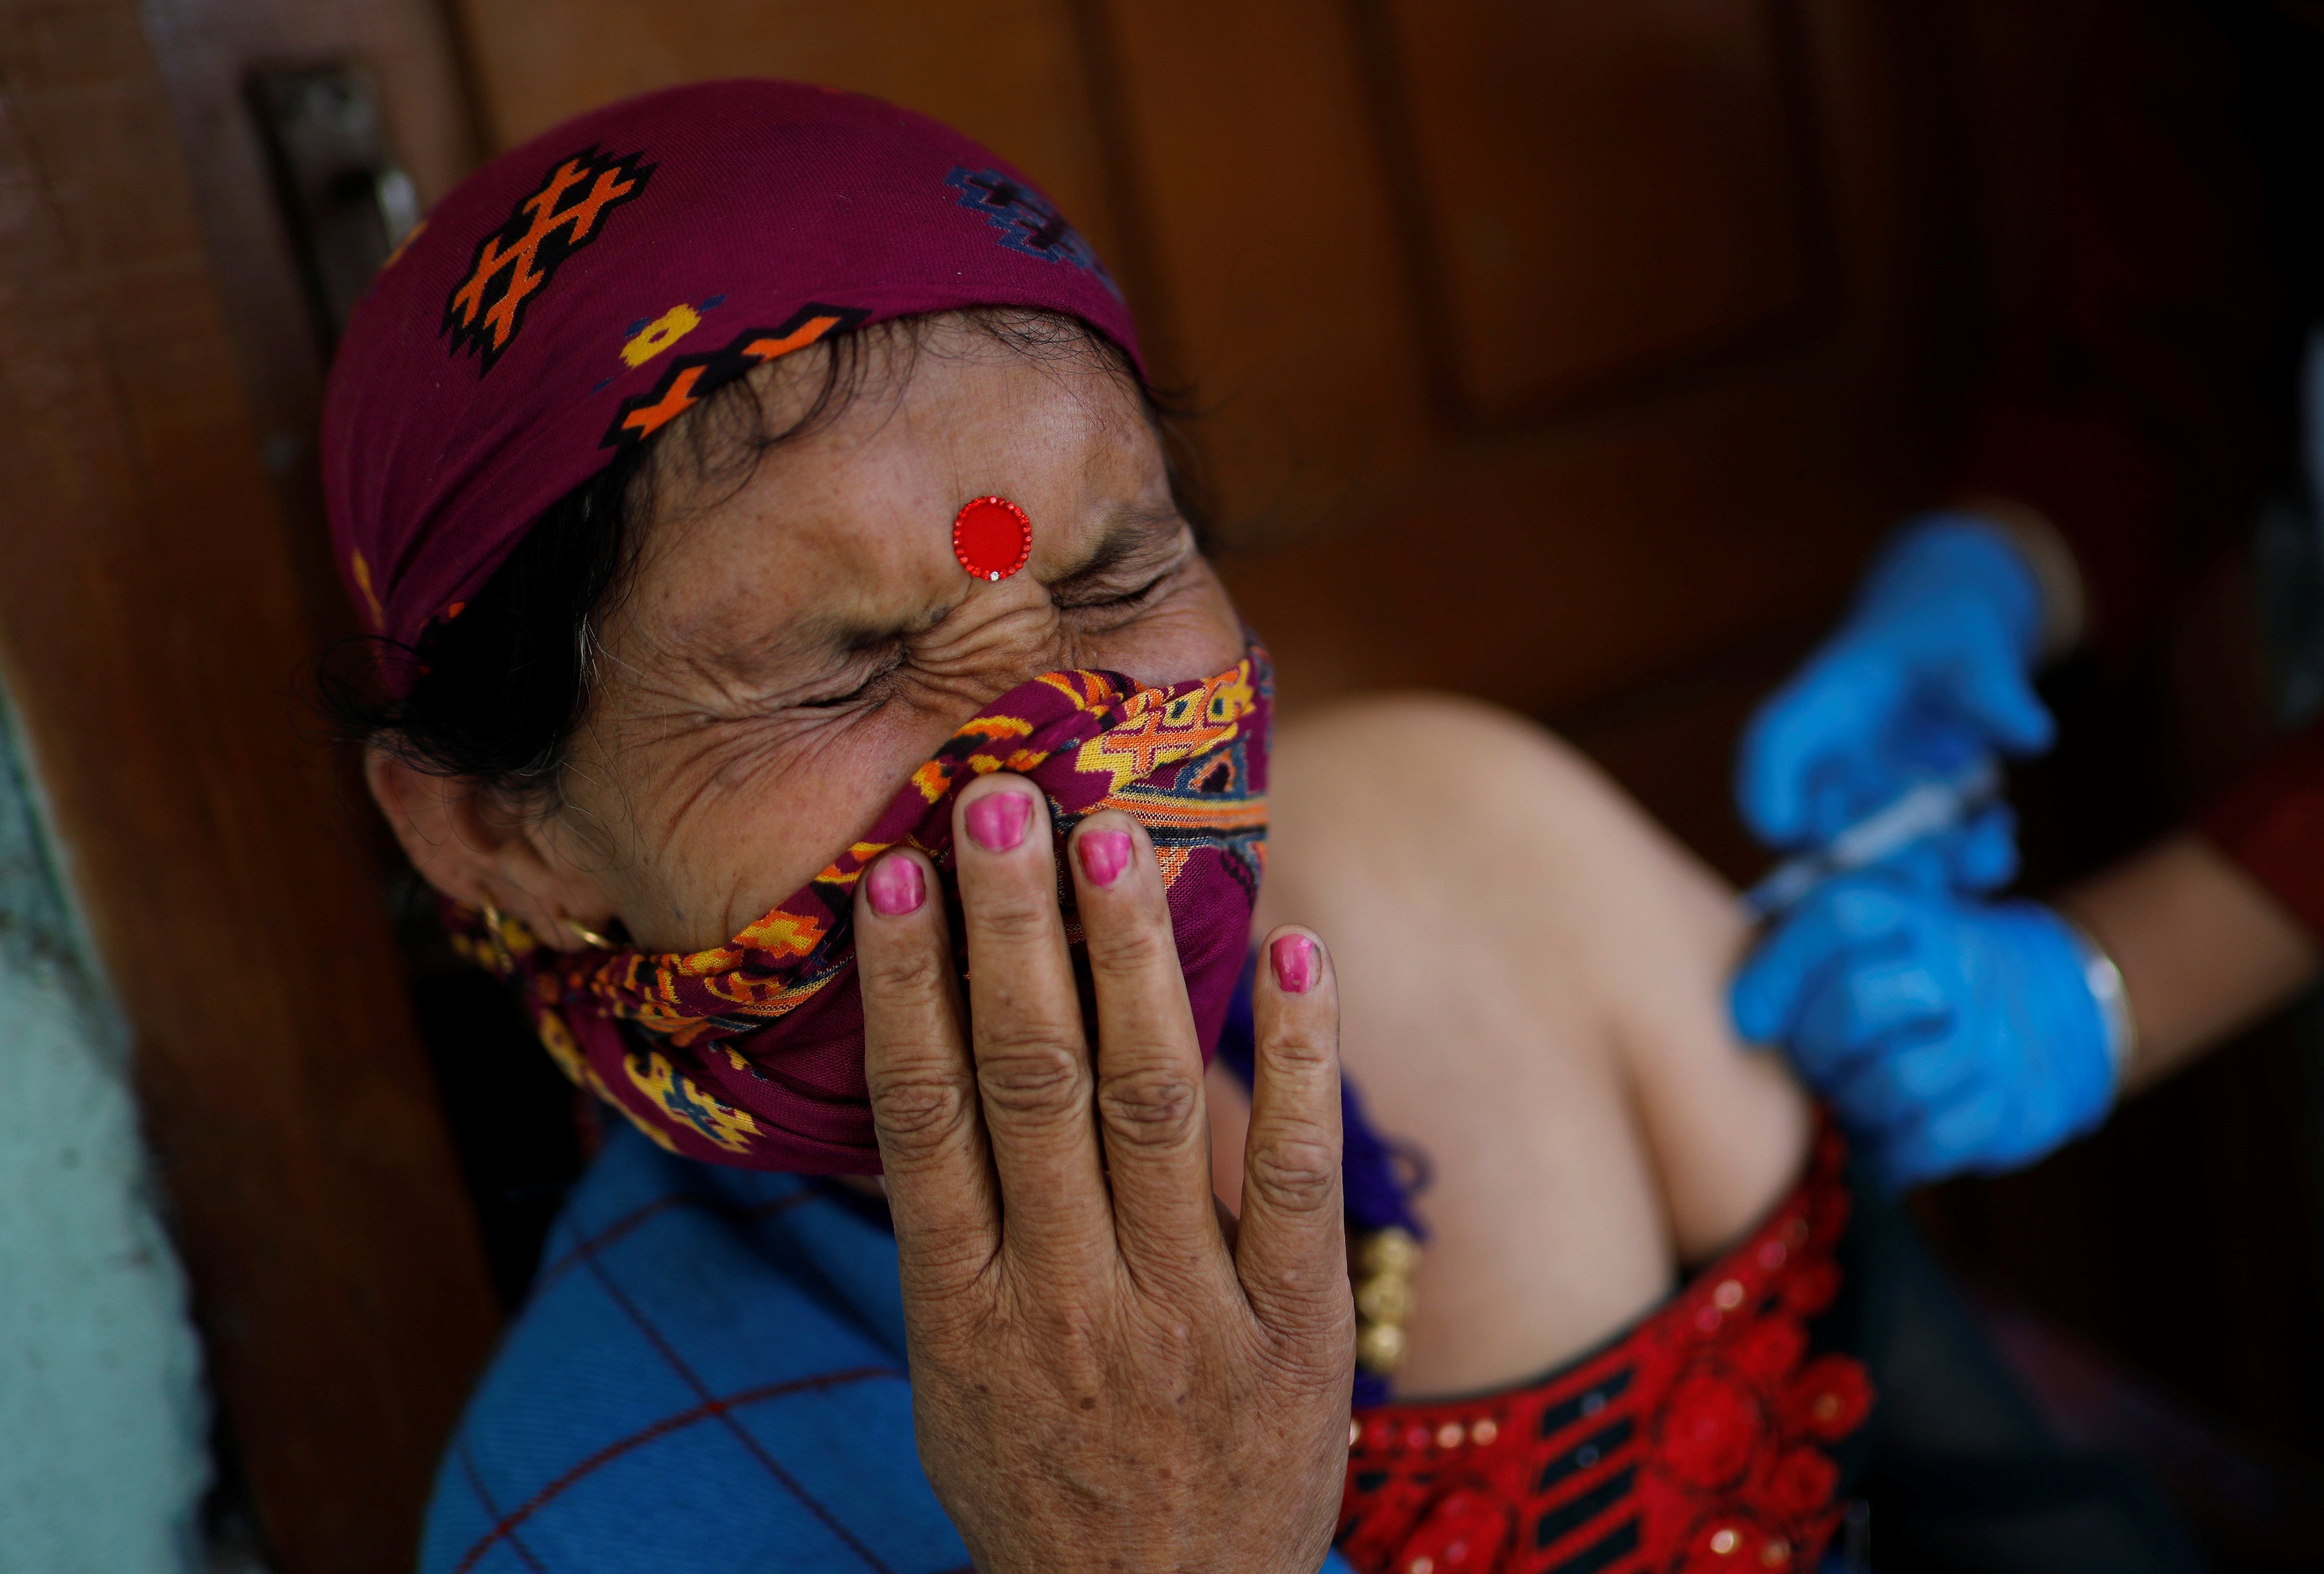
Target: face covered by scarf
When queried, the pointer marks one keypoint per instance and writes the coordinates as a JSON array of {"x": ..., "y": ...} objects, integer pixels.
[
  {"x": 751, "y": 1053},
  {"x": 570, "y": 300}
]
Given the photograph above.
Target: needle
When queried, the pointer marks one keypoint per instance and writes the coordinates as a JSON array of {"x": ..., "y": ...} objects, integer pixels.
[{"x": 1924, "y": 810}]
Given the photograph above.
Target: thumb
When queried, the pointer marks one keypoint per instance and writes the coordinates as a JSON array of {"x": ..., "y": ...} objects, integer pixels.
[
  {"x": 1773, "y": 987},
  {"x": 1831, "y": 712},
  {"x": 1993, "y": 691}
]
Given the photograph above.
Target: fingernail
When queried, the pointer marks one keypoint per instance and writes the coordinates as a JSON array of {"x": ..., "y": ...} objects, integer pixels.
[
  {"x": 895, "y": 887},
  {"x": 1104, "y": 854},
  {"x": 997, "y": 820},
  {"x": 1294, "y": 956}
]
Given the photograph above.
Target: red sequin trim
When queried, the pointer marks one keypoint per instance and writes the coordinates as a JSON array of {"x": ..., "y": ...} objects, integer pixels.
[{"x": 1697, "y": 1441}]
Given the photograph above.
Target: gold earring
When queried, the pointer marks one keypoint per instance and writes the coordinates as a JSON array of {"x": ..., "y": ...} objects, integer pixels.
[{"x": 497, "y": 937}]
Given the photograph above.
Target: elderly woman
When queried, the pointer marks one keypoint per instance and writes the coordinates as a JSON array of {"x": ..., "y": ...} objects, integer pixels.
[{"x": 802, "y": 681}]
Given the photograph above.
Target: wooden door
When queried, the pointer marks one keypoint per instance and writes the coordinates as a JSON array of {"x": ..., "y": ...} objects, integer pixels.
[{"x": 154, "y": 617}]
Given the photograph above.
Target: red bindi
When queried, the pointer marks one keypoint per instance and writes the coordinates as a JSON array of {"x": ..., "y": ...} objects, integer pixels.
[{"x": 991, "y": 537}]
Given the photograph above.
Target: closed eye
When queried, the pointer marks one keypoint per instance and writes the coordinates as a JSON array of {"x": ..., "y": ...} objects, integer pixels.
[
  {"x": 1128, "y": 598},
  {"x": 870, "y": 688}
]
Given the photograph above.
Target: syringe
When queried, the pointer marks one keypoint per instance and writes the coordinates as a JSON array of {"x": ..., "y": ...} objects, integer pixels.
[{"x": 1933, "y": 807}]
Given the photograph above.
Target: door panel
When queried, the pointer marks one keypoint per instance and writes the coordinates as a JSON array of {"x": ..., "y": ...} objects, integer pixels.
[
  {"x": 1598, "y": 190},
  {"x": 204, "y": 50},
  {"x": 1275, "y": 272}
]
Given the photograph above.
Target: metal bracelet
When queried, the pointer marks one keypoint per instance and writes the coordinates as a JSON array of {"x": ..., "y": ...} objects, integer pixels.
[{"x": 2105, "y": 986}]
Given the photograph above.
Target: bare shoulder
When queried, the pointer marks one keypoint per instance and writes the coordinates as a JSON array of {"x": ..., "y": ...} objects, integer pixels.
[
  {"x": 1471, "y": 791},
  {"x": 1485, "y": 886}
]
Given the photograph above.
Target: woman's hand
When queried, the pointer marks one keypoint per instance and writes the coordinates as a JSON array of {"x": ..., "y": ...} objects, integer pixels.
[{"x": 1106, "y": 1374}]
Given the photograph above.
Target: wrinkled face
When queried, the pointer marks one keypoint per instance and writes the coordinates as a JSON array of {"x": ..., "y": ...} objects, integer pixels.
[{"x": 792, "y": 648}]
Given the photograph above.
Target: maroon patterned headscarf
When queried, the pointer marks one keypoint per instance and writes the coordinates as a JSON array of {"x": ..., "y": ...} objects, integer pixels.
[
  {"x": 570, "y": 300},
  {"x": 578, "y": 293}
]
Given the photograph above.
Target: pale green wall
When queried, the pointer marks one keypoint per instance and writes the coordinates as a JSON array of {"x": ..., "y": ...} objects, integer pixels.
[{"x": 102, "y": 1464}]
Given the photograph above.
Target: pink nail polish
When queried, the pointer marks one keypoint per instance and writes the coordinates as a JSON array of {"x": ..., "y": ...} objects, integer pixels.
[
  {"x": 895, "y": 887},
  {"x": 1294, "y": 956},
  {"x": 1104, "y": 854},
  {"x": 997, "y": 820}
]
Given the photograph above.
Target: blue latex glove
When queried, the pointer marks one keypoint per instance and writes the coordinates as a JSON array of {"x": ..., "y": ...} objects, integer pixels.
[
  {"x": 1931, "y": 670},
  {"x": 1948, "y": 1034}
]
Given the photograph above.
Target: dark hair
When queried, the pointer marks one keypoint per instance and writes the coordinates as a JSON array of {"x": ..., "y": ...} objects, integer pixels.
[{"x": 502, "y": 687}]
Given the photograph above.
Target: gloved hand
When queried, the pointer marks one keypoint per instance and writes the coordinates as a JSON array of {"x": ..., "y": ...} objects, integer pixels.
[
  {"x": 1931, "y": 671},
  {"x": 1948, "y": 1034}
]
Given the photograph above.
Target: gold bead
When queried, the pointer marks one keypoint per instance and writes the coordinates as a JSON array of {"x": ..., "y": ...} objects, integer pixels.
[
  {"x": 1723, "y": 1542},
  {"x": 1380, "y": 1347},
  {"x": 1391, "y": 1251},
  {"x": 1384, "y": 1299},
  {"x": 1485, "y": 1430},
  {"x": 1776, "y": 1553}
]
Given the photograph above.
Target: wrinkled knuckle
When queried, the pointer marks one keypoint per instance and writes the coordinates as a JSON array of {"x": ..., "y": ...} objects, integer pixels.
[
  {"x": 1149, "y": 1107},
  {"x": 955, "y": 1257},
  {"x": 919, "y": 1112},
  {"x": 1072, "y": 1328},
  {"x": 1014, "y": 919},
  {"x": 901, "y": 969},
  {"x": 1294, "y": 1174},
  {"x": 1312, "y": 1337},
  {"x": 1071, "y": 1334},
  {"x": 1309, "y": 1339},
  {"x": 1030, "y": 1075},
  {"x": 1131, "y": 945},
  {"x": 1303, "y": 1051}
]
